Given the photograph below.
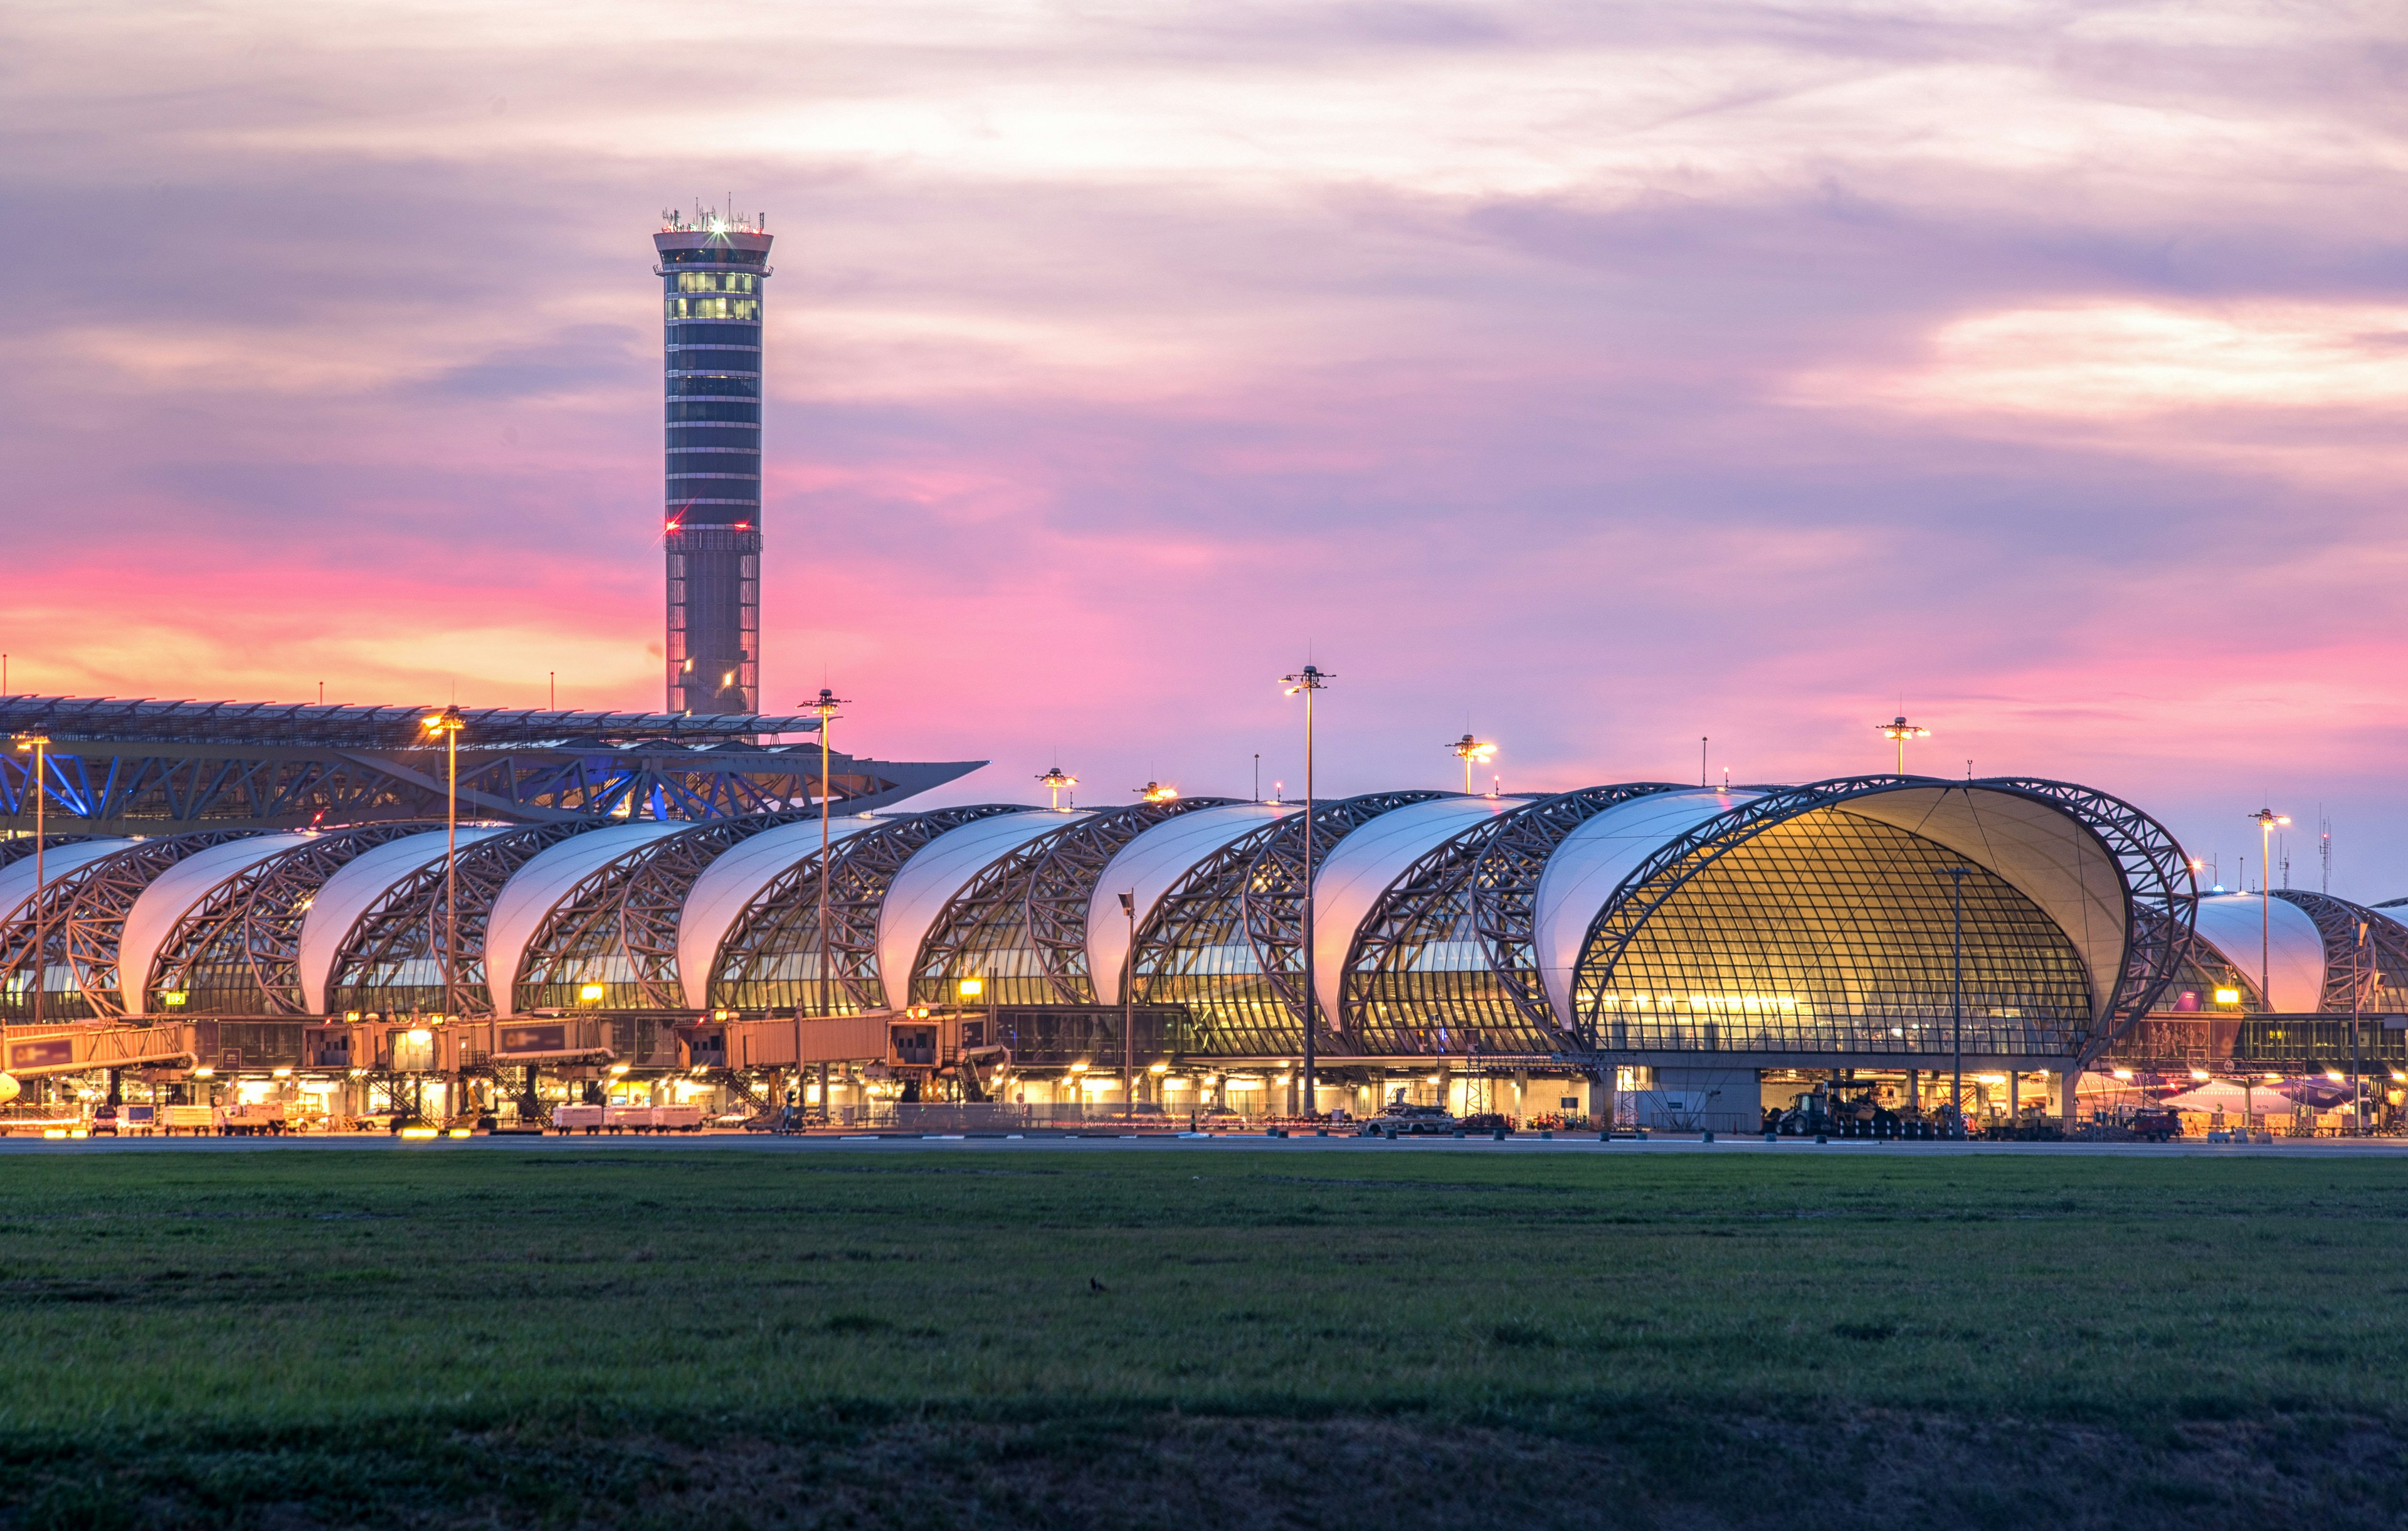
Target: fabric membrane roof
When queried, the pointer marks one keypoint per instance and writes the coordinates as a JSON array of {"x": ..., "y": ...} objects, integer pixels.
[
  {"x": 352, "y": 891},
  {"x": 2236, "y": 925},
  {"x": 1362, "y": 866},
  {"x": 1151, "y": 865},
  {"x": 728, "y": 886},
  {"x": 171, "y": 895},
  {"x": 535, "y": 888},
  {"x": 935, "y": 874}
]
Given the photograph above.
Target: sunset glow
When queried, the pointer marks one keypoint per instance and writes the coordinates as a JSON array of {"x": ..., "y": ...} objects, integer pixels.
[{"x": 1587, "y": 379}]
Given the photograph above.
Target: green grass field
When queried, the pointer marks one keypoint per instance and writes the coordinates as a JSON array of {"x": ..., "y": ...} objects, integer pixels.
[{"x": 1289, "y": 1337}]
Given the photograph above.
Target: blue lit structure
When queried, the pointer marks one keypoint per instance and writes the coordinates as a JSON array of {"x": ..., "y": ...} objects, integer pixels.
[{"x": 153, "y": 767}]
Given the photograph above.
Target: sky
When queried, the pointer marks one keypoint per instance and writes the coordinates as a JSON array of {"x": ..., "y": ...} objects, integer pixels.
[{"x": 1597, "y": 379}]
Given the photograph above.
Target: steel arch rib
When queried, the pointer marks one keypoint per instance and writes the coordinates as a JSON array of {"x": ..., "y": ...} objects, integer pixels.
[
  {"x": 1412, "y": 913},
  {"x": 1045, "y": 885},
  {"x": 1272, "y": 900},
  {"x": 2352, "y": 974},
  {"x": 635, "y": 899},
  {"x": 1062, "y": 885},
  {"x": 861, "y": 869},
  {"x": 1505, "y": 890},
  {"x": 2159, "y": 895},
  {"x": 257, "y": 913}
]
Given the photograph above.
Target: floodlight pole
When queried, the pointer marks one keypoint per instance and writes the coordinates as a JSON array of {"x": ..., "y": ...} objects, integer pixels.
[
  {"x": 826, "y": 710},
  {"x": 451, "y": 871},
  {"x": 1308, "y": 680},
  {"x": 1956, "y": 912},
  {"x": 2356, "y": 1001},
  {"x": 2266, "y": 819},
  {"x": 1128, "y": 1011},
  {"x": 447, "y": 724},
  {"x": 1898, "y": 731}
]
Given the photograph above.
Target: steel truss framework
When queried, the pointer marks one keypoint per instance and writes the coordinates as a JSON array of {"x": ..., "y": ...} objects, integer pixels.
[
  {"x": 771, "y": 959},
  {"x": 151, "y": 768},
  {"x": 237, "y": 952},
  {"x": 117, "y": 789},
  {"x": 392, "y": 962},
  {"x": 618, "y": 926},
  {"x": 1225, "y": 941},
  {"x": 1447, "y": 961},
  {"x": 1021, "y": 925},
  {"x": 2369, "y": 977},
  {"x": 2156, "y": 879},
  {"x": 81, "y": 915}
]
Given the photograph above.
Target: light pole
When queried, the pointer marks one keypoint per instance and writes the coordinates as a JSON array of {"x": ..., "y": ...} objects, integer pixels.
[
  {"x": 1128, "y": 1010},
  {"x": 1469, "y": 749},
  {"x": 825, "y": 709},
  {"x": 2266, "y": 819},
  {"x": 1154, "y": 791},
  {"x": 446, "y": 725},
  {"x": 2357, "y": 1002},
  {"x": 40, "y": 745},
  {"x": 1056, "y": 782},
  {"x": 1898, "y": 731},
  {"x": 1308, "y": 680},
  {"x": 1956, "y": 963}
]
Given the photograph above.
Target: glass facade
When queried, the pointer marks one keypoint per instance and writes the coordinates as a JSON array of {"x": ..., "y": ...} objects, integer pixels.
[
  {"x": 1831, "y": 933},
  {"x": 712, "y": 271}
]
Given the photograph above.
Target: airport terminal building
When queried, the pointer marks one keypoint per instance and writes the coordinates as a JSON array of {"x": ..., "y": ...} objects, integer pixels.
[{"x": 1677, "y": 953}]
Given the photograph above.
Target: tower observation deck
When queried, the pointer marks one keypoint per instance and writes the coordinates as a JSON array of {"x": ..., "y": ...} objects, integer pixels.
[{"x": 713, "y": 269}]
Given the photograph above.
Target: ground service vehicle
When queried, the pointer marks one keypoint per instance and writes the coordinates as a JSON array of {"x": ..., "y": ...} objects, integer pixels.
[
  {"x": 1402, "y": 1120},
  {"x": 2157, "y": 1126}
]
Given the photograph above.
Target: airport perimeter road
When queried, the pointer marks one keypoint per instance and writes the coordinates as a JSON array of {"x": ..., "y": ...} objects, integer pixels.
[{"x": 1165, "y": 1143}]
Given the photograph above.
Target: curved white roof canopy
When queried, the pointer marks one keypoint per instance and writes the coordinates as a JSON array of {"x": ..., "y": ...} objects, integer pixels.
[
  {"x": 354, "y": 887},
  {"x": 2041, "y": 851},
  {"x": 2291, "y": 953},
  {"x": 728, "y": 887},
  {"x": 1364, "y": 864},
  {"x": 1151, "y": 865},
  {"x": 937, "y": 871},
  {"x": 533, "y": 889},
  {"x": 1590, "y": 863},
  {"x": 172, "y": 894},
  {"x": 17, "y": 878}
]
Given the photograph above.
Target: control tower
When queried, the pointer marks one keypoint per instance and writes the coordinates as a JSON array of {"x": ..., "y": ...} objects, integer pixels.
[{"x": 712, "y": 269}]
